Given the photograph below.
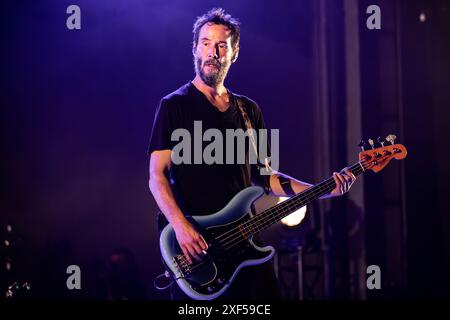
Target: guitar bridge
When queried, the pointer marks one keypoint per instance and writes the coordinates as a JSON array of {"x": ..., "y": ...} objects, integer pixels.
[{"x": 182, "y": 265}]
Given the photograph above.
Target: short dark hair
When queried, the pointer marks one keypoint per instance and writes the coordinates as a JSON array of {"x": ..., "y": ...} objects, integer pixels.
[{"x": 218, "y": 16}]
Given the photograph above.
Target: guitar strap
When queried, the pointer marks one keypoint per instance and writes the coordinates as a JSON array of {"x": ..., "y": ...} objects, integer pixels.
[{"x": 251, "y": 134}]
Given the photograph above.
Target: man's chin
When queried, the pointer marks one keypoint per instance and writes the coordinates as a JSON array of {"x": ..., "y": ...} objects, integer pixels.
[
  {"x": 210, "y": 70},
  {"x": 210, "y": 81}
]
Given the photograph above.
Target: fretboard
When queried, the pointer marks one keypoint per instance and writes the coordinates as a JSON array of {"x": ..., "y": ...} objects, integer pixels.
[{"x": 274, "y": 214}]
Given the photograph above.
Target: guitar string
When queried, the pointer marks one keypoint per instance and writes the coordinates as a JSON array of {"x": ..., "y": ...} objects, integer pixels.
[
  {"x": 327, "y": 183},
  {"x": 236, "y": 240},
  {"x": 359, "y": 166},
  {"x": 286, "y": 203},
  {"x": 265, "y": 217}
]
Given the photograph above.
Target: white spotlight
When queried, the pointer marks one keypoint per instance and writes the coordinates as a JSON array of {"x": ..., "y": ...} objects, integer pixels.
[
  {"x": 295, "y": 218},
  {"x": 422, "y": 17}
]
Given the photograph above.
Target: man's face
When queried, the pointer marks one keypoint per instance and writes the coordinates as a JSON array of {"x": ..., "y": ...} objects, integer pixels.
[{"x": 213, "y": 54}]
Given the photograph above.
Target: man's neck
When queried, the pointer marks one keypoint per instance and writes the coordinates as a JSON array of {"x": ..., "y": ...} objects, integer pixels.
[{"x": 212, "y": 92}]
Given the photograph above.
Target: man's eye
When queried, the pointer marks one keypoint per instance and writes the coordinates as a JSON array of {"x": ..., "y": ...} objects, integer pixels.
[{"x": 223, "y": 46}]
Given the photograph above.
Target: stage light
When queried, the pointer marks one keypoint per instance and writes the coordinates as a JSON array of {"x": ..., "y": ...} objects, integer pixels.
[
  {"x": 294, "y": 218},
  {"x": 422, "y": 17}
]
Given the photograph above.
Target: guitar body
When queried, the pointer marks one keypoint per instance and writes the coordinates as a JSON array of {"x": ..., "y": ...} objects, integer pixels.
[{"x": 229, "y": 249}]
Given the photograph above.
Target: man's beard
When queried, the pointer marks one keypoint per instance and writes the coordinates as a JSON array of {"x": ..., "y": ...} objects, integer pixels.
[{"x": 211, "y": 79}]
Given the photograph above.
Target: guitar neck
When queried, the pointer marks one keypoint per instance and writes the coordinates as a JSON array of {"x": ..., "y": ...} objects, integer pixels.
[{"x": 274, "y": 214}]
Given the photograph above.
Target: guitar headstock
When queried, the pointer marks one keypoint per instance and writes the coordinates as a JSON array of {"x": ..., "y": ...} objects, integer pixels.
[{"x": 376, "y": 159}]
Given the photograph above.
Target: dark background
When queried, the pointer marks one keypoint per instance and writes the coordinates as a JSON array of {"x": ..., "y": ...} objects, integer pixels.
[{"x": 77, "y": 108}]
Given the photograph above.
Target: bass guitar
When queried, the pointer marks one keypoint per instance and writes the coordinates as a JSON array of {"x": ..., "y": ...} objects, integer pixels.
[{"x": 229, "y": 231}]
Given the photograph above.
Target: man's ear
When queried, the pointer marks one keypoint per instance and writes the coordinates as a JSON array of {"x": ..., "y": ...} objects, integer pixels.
[{"x": 235, "y": 55}]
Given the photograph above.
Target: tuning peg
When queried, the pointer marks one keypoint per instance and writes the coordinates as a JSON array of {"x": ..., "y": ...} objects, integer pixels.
[
  {"x": 391, "y": 138},
  {"x": 362, "y": 144},
  {"x": 381, "y": 141},
  {"x": 372, "y": 144}
]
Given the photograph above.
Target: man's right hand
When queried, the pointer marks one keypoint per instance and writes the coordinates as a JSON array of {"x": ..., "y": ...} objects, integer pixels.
[{"x": 190, "y": 240}]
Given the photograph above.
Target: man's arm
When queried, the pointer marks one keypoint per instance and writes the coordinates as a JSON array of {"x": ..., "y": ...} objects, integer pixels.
[
  {"x": 191, "y": 242},
  {"x": 285, "y": 186}
]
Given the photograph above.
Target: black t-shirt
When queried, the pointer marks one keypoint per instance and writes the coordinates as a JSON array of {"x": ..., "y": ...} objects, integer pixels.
[{"x": 202, "y": 189}]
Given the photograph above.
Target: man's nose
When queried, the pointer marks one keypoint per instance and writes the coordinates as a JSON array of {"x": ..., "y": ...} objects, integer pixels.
[{"x": 213, "y": 52}]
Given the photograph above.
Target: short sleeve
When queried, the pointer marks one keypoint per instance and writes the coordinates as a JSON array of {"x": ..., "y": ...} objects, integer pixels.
[{"x": 163, "y": 126}]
